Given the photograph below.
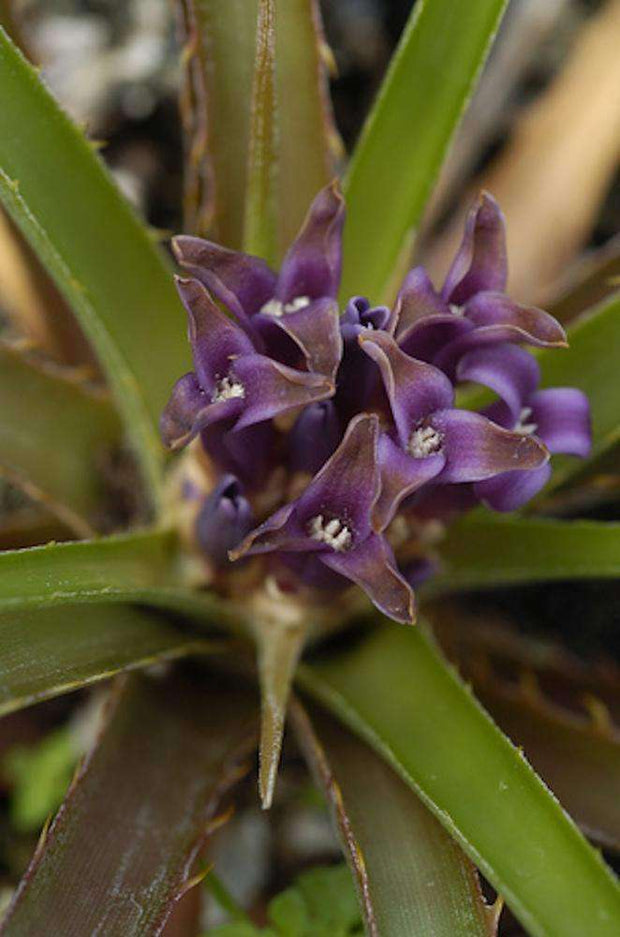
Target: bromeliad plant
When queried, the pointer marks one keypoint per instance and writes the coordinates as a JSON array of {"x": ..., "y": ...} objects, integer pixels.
[{"x": 345, "y": 438}]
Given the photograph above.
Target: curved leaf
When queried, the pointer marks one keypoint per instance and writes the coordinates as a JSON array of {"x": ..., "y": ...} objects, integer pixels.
[
  {"x": 48, "y": 652},
  {"x": 483, "y": 551},
  {"x": 100, "y": 256},
  {"x": 138, "y": 812},
  {"x": 412, "y": 877},
  {"x": 395, "y": 691},
  {"x": 407, "y": 134},
  {"x": 41, "y": 411}
]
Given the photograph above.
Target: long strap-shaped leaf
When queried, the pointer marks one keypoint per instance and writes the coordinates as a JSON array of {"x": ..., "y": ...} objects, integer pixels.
[
  {"x": 396, "y": 692},
  {"x": 43, "y": 412},
  {"x": 484, "y": 550},
  {"x": 103, "y": 260},
  {"x": 48, "y": 652},
  {"x": 412, "y": 878},
  {"x": 120, "y": 851},
  {"x": 407, "y": 134},
  {"x": 137, "y": 567},
  {"x": 216, "y": 107}
]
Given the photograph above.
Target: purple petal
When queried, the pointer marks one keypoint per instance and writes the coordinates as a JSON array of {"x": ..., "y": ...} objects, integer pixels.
[
  {"x": 359, "y": 314},
  {"x": 315, "y": 330},
  {"x": 371, "y": 565},
  {"x": 477, "y": 448},
  {"x": 426, "y": 338},
  {"x": 562, "y": 419},
  {"x": 401, "y": 475},
  {"x": 416, "y": 299},
  {"x": 189, "y": 410},
  {"x": 248, "y": 453},
  {"x": 312, "y": 266},
  {"x": 414, "y": 388},
  {"x": 280, "y": 532},
  {"x": 347, "y": 487},
  {"x": 314, "y": 437},
  {"x": 480, "y": 262},
  {"x": 270, "y": 388},
  {"x": 511, "y": 490},
  {"x": 224, "y": 520},
  {"x": 510, "y": 371},
  {"x": 215, "y": 339},
  {"x": 241, "y": 282}
]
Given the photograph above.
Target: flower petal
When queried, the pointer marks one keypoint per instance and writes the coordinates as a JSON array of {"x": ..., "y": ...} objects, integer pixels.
[
  {"x": 313, "y": 264},
  {"x": 315, "y": 329},
  {"x": 510, "y": 371},
  {"x": 427, "y": 337},
  {"x": 314, "y": 437},
  {"x": 401, "y": 475},
  {"x": 414, "y": 388},
  {"x": 562, "y": 418},
  {"x": 537, "y": 326},
  {"x": 215, "y": 339},
  {"x": 189, "y": 410},
  {"x": 247, "y": 453},
  {"x": 280, "y": 532},
  {"x": 480, "y": 262},
  {"x": 416, "y": 299},
  {"x": 359, "y": 314},
  {"x": 371, "y": 565},
  {"x": 271, "y": 388},
  {"x": 477, "y": 448},
  {"x": 242, "y": 282},
  {"x": 224, "y": 520},
  {"x": 511, "y": 490}
]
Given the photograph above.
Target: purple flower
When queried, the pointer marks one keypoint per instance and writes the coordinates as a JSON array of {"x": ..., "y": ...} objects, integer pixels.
[
  {"x": 472, "y": 309},
  {"x": 314, "y": 437},
  {"x": 357, "y": 375},
  {"x": 332, "y": 520},
  {"x": 225, "y": 518},
  {"x": 231, "y": 383},
  {"x": 290, "y": 315},
  {"x": 560, "y": 417},
  {"x": 430, "y": 439}
]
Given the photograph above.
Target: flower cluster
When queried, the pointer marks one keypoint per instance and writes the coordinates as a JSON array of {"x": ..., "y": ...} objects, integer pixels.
[{"x": 360, "y": 407}]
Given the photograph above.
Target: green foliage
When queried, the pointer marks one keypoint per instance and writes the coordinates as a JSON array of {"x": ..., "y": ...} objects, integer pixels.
[
  {"x": 40, "y": 775},
  {"x": 321, "y": 903}
]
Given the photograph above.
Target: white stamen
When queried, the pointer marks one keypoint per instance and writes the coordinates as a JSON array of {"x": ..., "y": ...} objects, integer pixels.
[
  {"x": 334, "y": 533},
  {"x": 456, "y": 310},
  {"x": 523, "y": 427},
  {"x": 425, "y": 441},
  {"x": 226, "y": 388},
  {"x": 278, "y": 309}
]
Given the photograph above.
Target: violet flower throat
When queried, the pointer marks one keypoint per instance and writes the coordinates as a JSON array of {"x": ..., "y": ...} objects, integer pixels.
[{"x": 327, "y": 441}]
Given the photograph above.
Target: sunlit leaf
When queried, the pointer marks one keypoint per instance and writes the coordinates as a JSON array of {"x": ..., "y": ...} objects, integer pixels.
[
  {"x": 100, "y": 256},
  {"x": 488, "y": 550},
  {"x": 48, "y": 652},
  {"x": 138, "y": 813},
  {"x": 41, "y": 411},
  {"x": 407, "y": 133},
  {"x": 396, "y": 692},
  {"x": 412, "y": 877}
]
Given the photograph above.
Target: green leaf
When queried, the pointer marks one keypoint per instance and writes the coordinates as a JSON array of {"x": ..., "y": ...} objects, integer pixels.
[
  {"x": 412, "y": 877},
  {"x": 138, "y": 814},
  {"x": 40, "y": 775},
  {"x": 215, "y": 107},
  {"x": 48, "y": 652},
  {"x": 489, "y": 550},
  {"x": 308, "y": 143},
  {"x": 260, "y": 231},
  {"x": 591, "y": 281},
  {"x": 407, "y": 134},
  {"x": 100, "y": 256},
  {"x": 395, "y": 691},
  {"x": 42, "y": 411}
]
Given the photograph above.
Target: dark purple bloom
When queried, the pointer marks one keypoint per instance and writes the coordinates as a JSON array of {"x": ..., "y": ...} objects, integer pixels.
[
  {"x": 560, "y": 417},
  {"x": 231, "y": 382},
  {"x": 471, "y": 310},
  {"x": 290, "y": 314},
  {"x": 332, "y": 520},
  {"x": 431, "y": 439},
  {"x": 357, "y": 375},
  {"x": 225, "y": 518},
  {"x": 314, "y": 437}
]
